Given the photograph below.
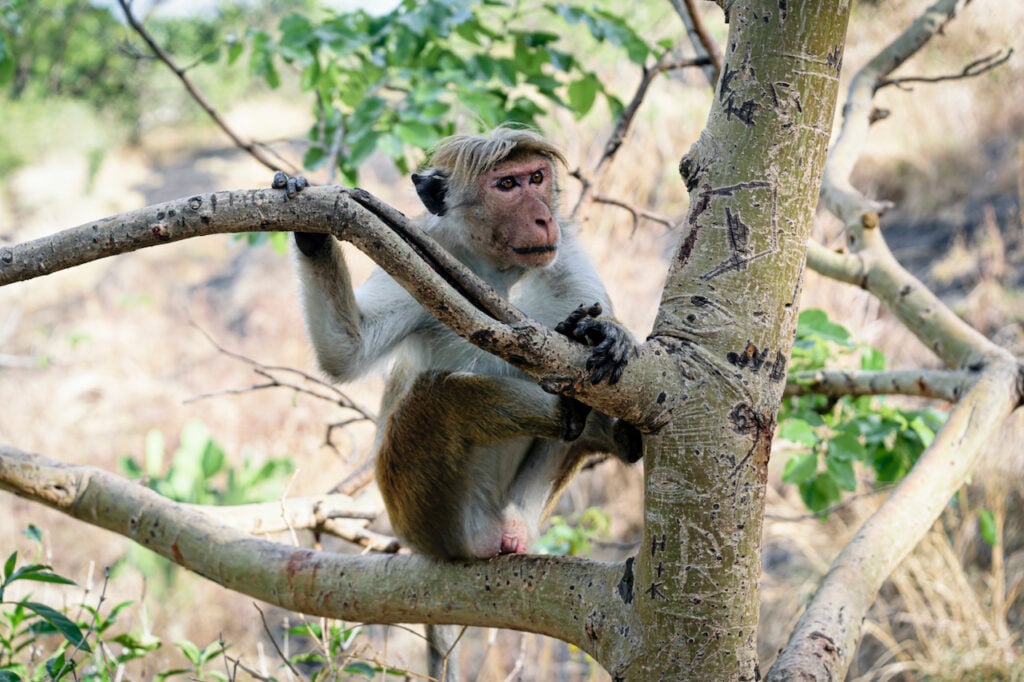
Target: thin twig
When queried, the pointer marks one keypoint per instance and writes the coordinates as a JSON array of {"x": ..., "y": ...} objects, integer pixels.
[
  {"x": 636, "y": 211},
  {"x": 337, "y": 398},
  {"x": 665, "y": 63},
  {"x": 251, "y": 148},
  {"x": 975, "y": 68},
  {"x": 833, "y": 507},
  {"x": 703, "y": 44},
  {"x": 273, "y": 640}
]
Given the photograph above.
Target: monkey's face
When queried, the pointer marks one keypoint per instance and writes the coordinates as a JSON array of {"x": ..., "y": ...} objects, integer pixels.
[{"x": 514, "y": 223}]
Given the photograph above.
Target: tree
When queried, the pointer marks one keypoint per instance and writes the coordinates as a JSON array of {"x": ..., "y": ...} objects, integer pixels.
[{"x": 705, "y": 388}]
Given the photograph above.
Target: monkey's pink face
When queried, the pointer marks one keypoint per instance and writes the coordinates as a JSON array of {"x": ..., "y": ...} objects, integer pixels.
[{"x": 520, "y": 225}]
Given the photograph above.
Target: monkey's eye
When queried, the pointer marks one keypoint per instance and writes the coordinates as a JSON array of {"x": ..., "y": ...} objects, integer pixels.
[
  {"x": 537, "y": 177},
  {"x": 507, "y": 183}
]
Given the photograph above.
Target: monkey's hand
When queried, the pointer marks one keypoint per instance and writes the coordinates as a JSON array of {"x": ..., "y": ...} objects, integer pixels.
[
  {"x": 612, "y": 345},
  {"x": 308, "y": 242}
]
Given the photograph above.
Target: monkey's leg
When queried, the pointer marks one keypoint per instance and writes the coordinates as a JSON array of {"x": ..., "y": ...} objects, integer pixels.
[{"x": 450, "y": 450}]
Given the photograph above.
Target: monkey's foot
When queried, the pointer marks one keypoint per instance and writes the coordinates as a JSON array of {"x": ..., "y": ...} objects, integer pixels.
[{"x": 574, "y": 418}]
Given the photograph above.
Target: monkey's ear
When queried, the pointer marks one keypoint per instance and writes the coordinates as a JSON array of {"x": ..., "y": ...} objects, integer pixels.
[{"x": 432, "y": 186}]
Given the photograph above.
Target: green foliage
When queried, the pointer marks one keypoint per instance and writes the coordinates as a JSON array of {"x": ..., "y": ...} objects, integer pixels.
[
  {"x": 838, "y": 434},
  {"x": 989, "y": 527},
  {"x": 199, "y": 473},
  {"x": 198, "y": 660},
  {"x": 41, "y": 642},
  {"x": 326, "y": 649},
  {"x": 28, "y": 629},
  {"x": 397, "y": 83},
  {"x": 573, "y": 536}
]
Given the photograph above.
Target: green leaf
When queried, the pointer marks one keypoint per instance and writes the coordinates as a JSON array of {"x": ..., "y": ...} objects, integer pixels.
[
  {"x": 820, "y": 493},
  {"x": 39, "y": 574},
  {"x": 261, "y": 60},
  {"x": 845, "y": 447},
  {"x": 235, "y": 50},
  {"x": 71, "y": 632},
  {"x": 842, "y": 472},
  {"x": 213, "y": 459},
  {"x": 279, "y": 241},
  {"x": 800, "y": 468},
  {"x": 989, "y": 529},
  {"x": 314, "y": 157},
  {"x": 815, "y": 322},
  {"x": 417, "y": 134},
  {"x": 9, "y": 565},
  {"x": 154, "y": 453},
  {"x": 190, "y": 650},
  {"x": 9, "y": 676},
  {"x": 798, "y": 431},
  {"x": 33, "y": 533},
  {"x": 583, "y": 93},
  {"x": 872, "y": 359},
  {"x": 923, "y": 431}
]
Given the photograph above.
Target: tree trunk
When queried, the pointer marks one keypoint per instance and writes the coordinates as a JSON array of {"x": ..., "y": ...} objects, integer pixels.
[{"x": 726, "y": 324}]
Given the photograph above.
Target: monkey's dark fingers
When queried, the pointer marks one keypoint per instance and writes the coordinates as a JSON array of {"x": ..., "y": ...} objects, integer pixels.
[
  {"x": 567, "y": 326},
  {"x": 570, "y": 326},
  {"x": 292, "y": 184}
]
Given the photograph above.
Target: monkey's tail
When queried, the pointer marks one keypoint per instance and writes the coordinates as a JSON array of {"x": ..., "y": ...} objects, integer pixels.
[{"x": 442, "y": 655}]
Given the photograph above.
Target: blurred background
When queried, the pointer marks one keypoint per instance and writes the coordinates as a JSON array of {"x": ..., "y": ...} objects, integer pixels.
[{"x": 120, "y": 363}]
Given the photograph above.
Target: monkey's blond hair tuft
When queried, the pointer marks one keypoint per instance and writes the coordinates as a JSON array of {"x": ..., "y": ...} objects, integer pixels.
[{"x": 463, "y": 158}]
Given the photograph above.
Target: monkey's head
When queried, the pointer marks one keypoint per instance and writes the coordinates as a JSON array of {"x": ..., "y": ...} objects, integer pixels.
[{"x": 499, "y": 192}]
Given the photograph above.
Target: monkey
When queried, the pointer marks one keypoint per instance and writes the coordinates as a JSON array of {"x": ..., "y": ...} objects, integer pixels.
[{"x": 471, "y": 453}]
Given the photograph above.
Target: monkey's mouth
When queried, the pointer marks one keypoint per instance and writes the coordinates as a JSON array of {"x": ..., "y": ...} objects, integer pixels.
[{"x": 527, "y": 250}]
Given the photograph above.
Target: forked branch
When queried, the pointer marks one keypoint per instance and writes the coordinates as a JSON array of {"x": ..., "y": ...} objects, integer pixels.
[{"x": 824, "y": 641}]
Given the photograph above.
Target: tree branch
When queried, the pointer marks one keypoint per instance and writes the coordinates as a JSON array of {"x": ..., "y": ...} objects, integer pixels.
[
  {"x": 944, "y": 384},
  {"x": 333, "y": 394},
  {"x": 665, "y": 63},
  {"x": 972, "y": 70},
  {"x": 825, "y": 638},
  {"x": 703, "y": 44},
  {"x": 521, "y": 592},
  {"x": 823, "y": 643},
  {"x": 252, "y": 149},
  {"x": 456, "y": 297},
  {"x": 953, "y": 340}
]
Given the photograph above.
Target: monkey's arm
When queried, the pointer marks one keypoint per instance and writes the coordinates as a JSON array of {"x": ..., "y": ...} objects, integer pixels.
[{"x": 350, "y": 329}]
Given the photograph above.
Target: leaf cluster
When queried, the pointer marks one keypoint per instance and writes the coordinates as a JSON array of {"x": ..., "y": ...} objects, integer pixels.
[
  {"x": 835, "y": 434},
  {"x": 200, "y": 473},
  {"x": 400, "y": 81},
  {"x": 25, "y": 624}
]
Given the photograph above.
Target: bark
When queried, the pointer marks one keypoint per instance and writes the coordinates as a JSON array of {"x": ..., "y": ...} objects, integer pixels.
[{"x": 726, "y": 325}]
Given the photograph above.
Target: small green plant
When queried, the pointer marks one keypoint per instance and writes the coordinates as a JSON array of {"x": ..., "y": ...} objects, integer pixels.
[
  {"x": 838, "y": 433},
  {"x": 573, "y": 536},
  {"x": 198, "y": 473},
  {"x": 198, "y": 660},
  {"x": 27, "y": 628},
  {"x": 329, "y": 655}
]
